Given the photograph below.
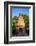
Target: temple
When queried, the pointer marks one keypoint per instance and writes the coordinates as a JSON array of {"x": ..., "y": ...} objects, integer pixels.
[{"x": 20, "y": 26}]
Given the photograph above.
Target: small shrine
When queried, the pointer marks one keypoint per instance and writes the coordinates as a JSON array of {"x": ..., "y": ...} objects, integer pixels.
[{"x": 20, "y": 23}]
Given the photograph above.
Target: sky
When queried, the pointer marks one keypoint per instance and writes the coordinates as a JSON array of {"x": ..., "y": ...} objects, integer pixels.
[{"x": 16, "y": 11}]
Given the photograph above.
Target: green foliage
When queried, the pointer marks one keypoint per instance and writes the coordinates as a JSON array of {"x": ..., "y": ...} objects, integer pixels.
[{"x": 14, "y": 23}]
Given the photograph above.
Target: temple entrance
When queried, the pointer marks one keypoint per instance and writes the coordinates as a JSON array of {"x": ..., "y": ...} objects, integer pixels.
[{"x": 20, "y": 29}]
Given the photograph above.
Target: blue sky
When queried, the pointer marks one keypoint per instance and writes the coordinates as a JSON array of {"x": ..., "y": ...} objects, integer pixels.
[{"x": 16, "y": 11}]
